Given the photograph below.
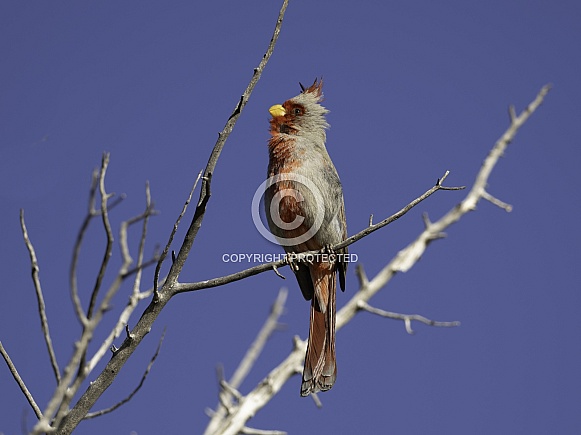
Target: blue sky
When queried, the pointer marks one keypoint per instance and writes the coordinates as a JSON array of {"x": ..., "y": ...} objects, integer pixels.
[{"x": 414, "y": 89}]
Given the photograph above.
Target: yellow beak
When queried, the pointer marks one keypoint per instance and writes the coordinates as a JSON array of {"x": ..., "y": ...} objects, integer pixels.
[{"x": 277, "y": 110}]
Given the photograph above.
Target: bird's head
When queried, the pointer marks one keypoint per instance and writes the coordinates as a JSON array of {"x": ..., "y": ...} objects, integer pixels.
[{"x": 302, "y": 114}]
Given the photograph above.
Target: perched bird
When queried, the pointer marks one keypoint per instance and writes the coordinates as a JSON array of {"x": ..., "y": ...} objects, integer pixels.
[{"x": 305, "y": 212}]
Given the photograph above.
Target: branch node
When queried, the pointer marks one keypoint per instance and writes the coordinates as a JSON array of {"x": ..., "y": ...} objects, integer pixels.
[
  {"x": 297, "y": 343},
  {"x": 238, "y": 107},
  {"x": 512, "y": 113},
  {"x": 441, "y": 180},
  {"x": 436, "y": 236},
  {"x": 497, "y": 202},
  {"x": 231, "y": 390},
  {"x": 128, "y": 333},
  {"x": 275, "y": 269},
  {"x": 408, "y": 326}
]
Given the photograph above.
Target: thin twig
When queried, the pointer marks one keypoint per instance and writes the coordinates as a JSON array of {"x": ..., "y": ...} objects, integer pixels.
[
  {"x": 374, "y": 227},
  {"x": 316, "y": 398},
  {"x": 407, "y": 318},
  {"x": 20, "y": 382},
  {"x": 40, "y": 298},
  {"x": 134, "y": 392},
  {"x": 141, "y": 248},
  {"x": 229, "y": 390},
  {"x": 173, "y": 232},
  {"x": 497, "y": 202},
  {"x": 91, "y": 213},
  {"x": 252, "y": 431},
  {"x": 108, "y": 233}
]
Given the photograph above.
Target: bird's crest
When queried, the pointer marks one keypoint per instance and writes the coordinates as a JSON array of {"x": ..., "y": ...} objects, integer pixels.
[{"x": 316, "y": 88}]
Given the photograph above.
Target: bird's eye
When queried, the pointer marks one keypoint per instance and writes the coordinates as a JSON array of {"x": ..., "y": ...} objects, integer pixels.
[{"x": 297, "y": 111}]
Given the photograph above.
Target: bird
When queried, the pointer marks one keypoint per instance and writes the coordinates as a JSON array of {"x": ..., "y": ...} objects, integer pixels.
[{"x": 305, "y": 212}]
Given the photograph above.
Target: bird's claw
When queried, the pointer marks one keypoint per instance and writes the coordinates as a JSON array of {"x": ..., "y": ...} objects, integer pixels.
[
  {"x": 327, "y": 249},
  {"x": 293, "y": 261}
]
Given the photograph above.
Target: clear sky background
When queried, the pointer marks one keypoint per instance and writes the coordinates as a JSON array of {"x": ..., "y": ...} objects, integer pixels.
[{"x": 414, "y": 89}]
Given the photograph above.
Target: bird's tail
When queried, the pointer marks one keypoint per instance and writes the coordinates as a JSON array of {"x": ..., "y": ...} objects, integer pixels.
[{"x": 320, "y": 368}]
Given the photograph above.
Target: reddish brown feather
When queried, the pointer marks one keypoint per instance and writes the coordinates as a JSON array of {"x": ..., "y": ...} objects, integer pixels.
[{"x": 320, "y": 369}]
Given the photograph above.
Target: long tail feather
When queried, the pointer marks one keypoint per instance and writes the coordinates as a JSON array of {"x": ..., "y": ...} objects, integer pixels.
[{"x": 320, "y": 369}]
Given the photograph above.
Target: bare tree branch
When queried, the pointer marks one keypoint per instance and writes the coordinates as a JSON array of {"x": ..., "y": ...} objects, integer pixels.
[
  {"x": 141, "y": 249},
  {"x": 77, "y": 250},
  {"x": 108, "y": 232},
  {"x": 91, "y": 214},
  {"x": 374, "y": 227},
  {"x": 251, "y": 403},
  {"x": 19, "y": 381},
  {"x": 407, "y": 318},
  {"x": 40, "y": 298}
]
